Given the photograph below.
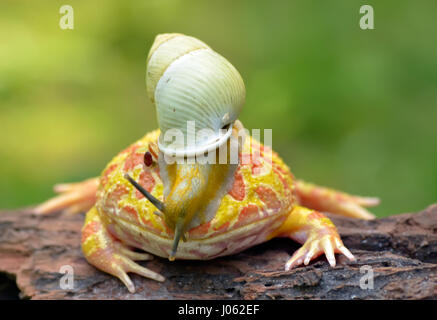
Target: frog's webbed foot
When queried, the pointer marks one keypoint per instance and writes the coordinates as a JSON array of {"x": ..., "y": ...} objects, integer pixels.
[
  {"x": 109, "y": 255},
  {"x": 72, "y": 197},
  {"x": 318, "y": 235},
  {"x": 337, "y": 202}
]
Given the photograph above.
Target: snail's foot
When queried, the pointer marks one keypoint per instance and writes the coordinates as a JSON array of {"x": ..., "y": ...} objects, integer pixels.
[
  {"x": 106, "y": 253},
  {"x": 72, "y": 197},
  {"x": 333, "y": 201}
]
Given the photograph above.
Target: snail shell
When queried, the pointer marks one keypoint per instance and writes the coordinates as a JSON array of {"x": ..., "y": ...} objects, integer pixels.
[{"x": 188, "y": 81}]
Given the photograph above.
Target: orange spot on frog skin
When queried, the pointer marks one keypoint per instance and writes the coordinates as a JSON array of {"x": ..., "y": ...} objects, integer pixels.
[
  {"x": 119, "y": 191},
  {"x": 257, "y": 168},
  {"x": 115, "y": 195},
  {"x": 148, "y": 223},
  {"x": 89, "y": 229},
  {"x": 200, "y": 230},
  {"x": 223, "y": 227},
  {"x": 147, "y": 182},
  {"x": 238, "y": 191},
  {"x": 269, "y": 197},
  {"x": 133, "y": 159},
  {"x": 130, "y": 149},
  {"x": 247, "y": 214},
  {"x": 132, "y": 212},
  {"x": 315, "y": 215},
  {"x": 167, "y": 231},
  {"x": 245, "y": 158},
  {"x": 254, "y": 159},
  {"x": 105, "y": 175},
  {"x": 282, "y": 170},
  {"x": 281, "y": 177}
]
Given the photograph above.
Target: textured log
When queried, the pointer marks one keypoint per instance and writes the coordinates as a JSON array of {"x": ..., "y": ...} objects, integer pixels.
[{"x": 401, "y": 250}]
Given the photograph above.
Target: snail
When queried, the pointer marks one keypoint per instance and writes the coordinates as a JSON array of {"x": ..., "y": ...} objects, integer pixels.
[
  {"x": 192, "y": 209},
  {"x": 189, "y": 83}
]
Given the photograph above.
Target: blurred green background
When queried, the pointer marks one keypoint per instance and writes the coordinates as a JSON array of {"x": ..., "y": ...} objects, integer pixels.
[{"x": 351, "y": 109}]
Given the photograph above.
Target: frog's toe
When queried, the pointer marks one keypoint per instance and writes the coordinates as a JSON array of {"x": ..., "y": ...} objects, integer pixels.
[
  {"x": 135, "y": 256},
  {"x": 342, "y": 249},
  {"x": 72, "y": 197},
  {"x": 304, "y": 255},
  {"x": 297, "y": 259}
]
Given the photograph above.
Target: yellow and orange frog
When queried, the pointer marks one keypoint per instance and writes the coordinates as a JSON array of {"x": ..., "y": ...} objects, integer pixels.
[{"x": 192, "y": 210}]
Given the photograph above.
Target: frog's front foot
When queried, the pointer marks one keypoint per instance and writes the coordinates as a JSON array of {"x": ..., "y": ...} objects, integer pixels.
[
  {"x": 109, "y": 255},
  {"x": 317, "y": 234},
  {"x": 316, "y": 245}
]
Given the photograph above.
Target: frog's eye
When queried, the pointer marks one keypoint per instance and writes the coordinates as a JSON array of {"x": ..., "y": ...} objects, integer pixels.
[
  {"x": 148, "y": 159},
  {"x": 157, "y": 203}
]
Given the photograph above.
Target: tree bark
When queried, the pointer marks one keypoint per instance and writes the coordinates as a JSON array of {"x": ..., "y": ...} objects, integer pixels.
[{"x": 400, "y": 251}]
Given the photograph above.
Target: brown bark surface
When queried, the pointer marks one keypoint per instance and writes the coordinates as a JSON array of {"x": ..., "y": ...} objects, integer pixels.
[{"x": 401, "y": 250}]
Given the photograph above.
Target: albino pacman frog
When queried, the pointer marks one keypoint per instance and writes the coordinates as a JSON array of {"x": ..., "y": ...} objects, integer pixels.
[{"x": 186, "y": 198}]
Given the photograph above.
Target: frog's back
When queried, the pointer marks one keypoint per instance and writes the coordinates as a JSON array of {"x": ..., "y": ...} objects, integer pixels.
[{"x": 257, "y": 203}]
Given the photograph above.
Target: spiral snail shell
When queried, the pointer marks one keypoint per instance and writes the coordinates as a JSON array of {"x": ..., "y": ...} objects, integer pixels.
[{"x": 188, "y": 81}]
